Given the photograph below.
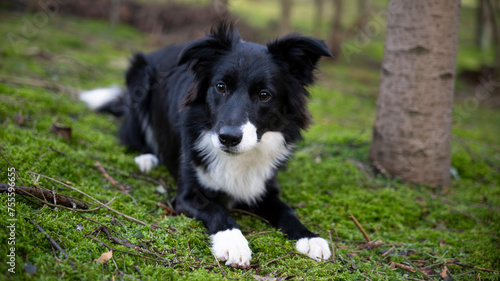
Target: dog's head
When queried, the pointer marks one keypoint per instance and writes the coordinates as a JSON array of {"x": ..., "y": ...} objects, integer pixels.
[{"x": 251, "y": 89}]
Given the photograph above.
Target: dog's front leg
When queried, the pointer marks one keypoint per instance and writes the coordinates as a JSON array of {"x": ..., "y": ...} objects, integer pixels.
[
  {"x": 228, "y": 243},
  {"x": 282, "y": 216}
]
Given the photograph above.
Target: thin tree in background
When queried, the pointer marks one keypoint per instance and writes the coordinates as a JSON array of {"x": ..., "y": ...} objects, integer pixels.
[
  {"x": 483, "y": 24},
  {"x": 363, "y": 9},
  {"x": 318, "y": 16},
  {"x": 337, "y": 33},
  {"x": 494, "y": 11},
  {"x": 286, "y": 8},
  {"x": 412, "y": 130}
]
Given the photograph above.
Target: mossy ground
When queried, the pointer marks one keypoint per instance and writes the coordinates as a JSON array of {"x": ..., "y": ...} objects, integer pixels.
[{"x": 327, "y": 179}]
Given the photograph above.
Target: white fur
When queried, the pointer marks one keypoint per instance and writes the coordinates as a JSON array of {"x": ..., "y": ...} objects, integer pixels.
[
  {"x": 248, "y": 141},
  {"x": 231, "y": 246},
  {"x": 316, "y": 248},
  {"x": 99, "y": 97},
  {"x": 146, "y": 162},
  {"x": 243, "y": 176}
]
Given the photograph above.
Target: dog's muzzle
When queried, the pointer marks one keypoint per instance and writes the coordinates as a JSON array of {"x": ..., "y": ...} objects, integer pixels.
[
  {"x": 236, "y": 139},
  {"x": 230, "y": 136}
]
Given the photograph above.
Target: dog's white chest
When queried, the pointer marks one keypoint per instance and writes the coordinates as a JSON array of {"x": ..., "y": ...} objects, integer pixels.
[{"x": 241, "y": 176}]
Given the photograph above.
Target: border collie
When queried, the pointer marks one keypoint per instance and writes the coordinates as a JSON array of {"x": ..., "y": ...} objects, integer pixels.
[{"x": 223, "y": 115}]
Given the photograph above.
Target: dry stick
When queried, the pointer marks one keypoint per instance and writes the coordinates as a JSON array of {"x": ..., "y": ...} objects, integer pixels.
[
  {"x": 97, "y": 201},
  {"x": 116, "y": 250},
  {"x": 402, "y": 266},
  {"x": 331, "y": 243},
  {"x": 45, "y": 195},
  {"x": 15, "y": 170},
  {"x": 471, "y": 266},
  {"x": 37, "y": 83},
  {"x": 251, "y": 214},
  {"x": 388, "y": 251},
  {"x": 101, "y": 169},
  {"x": 52, "y": 242},
  {"x": 221, "y": 271},
  {"x": 421, "y": 271},
  {"x": 360, "y": 228},
  {"x": 167, "y": 208}
]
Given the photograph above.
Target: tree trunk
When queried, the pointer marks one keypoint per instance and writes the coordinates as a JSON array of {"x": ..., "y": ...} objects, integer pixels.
[
  {"x": 483, "y": 24},
  {"x": 337, "y": 29},
  {"x": 494, "y": 10},
  {"x": 318, "y": 17},
  {"x": 286, "y": 8},
  {"x": 411, "y": 135},
  {"x": 363, "y": 9}
]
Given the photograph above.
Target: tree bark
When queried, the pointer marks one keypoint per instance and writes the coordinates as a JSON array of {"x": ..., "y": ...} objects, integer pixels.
[
  {"x": 318, "y": 17},
  {"x": 412, "y": 130},
  {"x": 363, "y": 9},
  {"x": 483, "y": 24},
  {"x": 494, "y": 9},
  {"x": 337, "y": 29},
  {"x": 286, "y": 8}
]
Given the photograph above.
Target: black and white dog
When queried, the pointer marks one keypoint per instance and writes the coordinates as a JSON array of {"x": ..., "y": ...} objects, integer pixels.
[{"x": 223, "y": 115}]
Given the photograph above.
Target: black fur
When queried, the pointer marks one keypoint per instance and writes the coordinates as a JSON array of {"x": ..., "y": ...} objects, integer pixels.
[{"x": 172, "y": 91}]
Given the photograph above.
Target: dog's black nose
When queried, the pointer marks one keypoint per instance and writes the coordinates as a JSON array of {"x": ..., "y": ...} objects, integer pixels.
[{"x": 230, "y": 136}]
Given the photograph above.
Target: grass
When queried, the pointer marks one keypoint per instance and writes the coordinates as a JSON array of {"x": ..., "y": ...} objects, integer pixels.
[{"x": 327, "y": 179}]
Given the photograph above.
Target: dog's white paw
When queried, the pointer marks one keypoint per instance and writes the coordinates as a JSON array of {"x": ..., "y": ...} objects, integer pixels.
[
  {"x": 316, "y": 248},
  {"x": 146, "y": 162},
  {"x": 231, "y": 246}
]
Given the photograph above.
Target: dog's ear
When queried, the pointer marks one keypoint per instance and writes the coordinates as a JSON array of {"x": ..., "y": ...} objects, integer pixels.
[
  {"x": 138, "y": 79},
  {"x": 202, "y": 54},
  {"x": 204, "y": 51},
  {"x": 300, "y": 53}
]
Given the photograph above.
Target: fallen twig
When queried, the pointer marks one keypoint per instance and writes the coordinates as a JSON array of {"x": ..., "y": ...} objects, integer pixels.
[
  {"x": 389, "y": 251},
  {"x": 167, "y": 209},
  {"x": 221, "y": 271},
  {"x": 120, "y": 186},
  {"x": 331, "y": 243},
  {"x": 97, "y": 201},
  {"x": 251, "y": 214},
  {"x": 37, "y": 83},
  {"x": 402, "y": 266},
  {"x": 419, "y": 270},
  {"x": 46, "y": 195},
  {"x": 360, "y": 227},
  {"x": 52, "y": 241},
  {"x": 371, "y": 245},
  {"x": 15, "y": 170},
  {"x": 471, "y": 266}
]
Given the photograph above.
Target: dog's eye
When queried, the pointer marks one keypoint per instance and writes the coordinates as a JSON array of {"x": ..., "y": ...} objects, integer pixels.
[
  {"x": 264, "y": 96},
  {"x": 221, "y": 87}
]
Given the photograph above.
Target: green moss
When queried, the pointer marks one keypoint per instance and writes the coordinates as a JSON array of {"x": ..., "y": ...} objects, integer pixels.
[{"x": 323, "y": 179}]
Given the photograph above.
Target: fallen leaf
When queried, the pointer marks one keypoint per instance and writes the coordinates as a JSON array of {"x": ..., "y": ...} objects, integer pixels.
[
  {"x": 105, "y": 257},
  {"x": 444, "y": 272},
  {"x": 138, "y": 234},
  {"x": 61, "y": 131}
]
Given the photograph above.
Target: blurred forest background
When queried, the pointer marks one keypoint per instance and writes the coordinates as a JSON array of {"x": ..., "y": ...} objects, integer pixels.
[{"x": 52, "y": 49}]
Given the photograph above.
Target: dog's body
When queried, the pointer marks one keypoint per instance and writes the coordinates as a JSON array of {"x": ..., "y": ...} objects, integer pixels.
[{"x": 223, "y": 115}]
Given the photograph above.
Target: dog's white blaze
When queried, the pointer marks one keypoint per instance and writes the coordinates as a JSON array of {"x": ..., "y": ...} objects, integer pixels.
[
  {"x": 97, "y": 98},
  {"x": 231, "y": 246},
  {"x": 249, "y": 139},
  {"x": 316, "y": 248},
  {"x": 242, "y": 176}
]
